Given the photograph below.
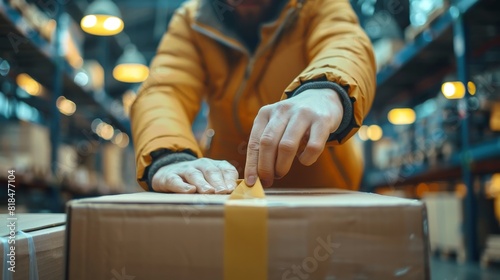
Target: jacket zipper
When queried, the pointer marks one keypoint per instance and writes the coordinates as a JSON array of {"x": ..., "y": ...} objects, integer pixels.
[
  {"x": 250, "y": 64},
  {"x": 249, "y": 69}
]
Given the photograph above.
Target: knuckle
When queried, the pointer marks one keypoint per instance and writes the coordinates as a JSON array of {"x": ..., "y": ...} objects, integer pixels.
[
  {"x": 307, "y": 111},
  {"x": 225, "y": 165},
  {"x": 161, "y": 181},
  {"x": 203, "y": 160},
  {"x": 193, "y": 173},
  {"x": 211, "y": 171},
  {"x": 254, "y": 146},
  {"x": 315, "y": 147},
  {"x": 265, "y": 109},
  {"x": 266, "y": 140},
  {"x": 282, "y": 107},
  {"x": 169, "y": 181},
  {"x": 287, "y": 146},
  {"x": 265, "y": 173}
]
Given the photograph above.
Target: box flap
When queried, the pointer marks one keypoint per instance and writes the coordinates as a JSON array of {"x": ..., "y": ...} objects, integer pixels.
[
  {"x": 287, "y": 198},
  {"x": 33, "y": 222}
]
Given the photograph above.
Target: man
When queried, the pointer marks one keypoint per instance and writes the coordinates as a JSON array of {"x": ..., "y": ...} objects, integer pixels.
[{"x": 288, "y": 83}]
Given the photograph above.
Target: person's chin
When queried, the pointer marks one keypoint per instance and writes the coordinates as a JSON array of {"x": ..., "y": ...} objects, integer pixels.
[{"x": 249, "y": 17}]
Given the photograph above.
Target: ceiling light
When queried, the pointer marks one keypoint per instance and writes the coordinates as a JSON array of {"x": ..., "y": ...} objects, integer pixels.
[
  {"x": 471, "y": 87},
  {"x": 401, "y": 116},
  {"x": 102, "y": 18},
  {"x": 65, "y": 106},
  {"x": 362, "y": 134},
  {"x": 124, "y": 141},
  {"x": 374, "y": 132},
  {"x": 95, "y": 123},
  {"x": 106, "y": 131},
  {"x": 121, "y": 139},
  {"x": 453, "y": 90},
  {"x": 131, "y": 66},
  {"x": 28, "y": 84}
]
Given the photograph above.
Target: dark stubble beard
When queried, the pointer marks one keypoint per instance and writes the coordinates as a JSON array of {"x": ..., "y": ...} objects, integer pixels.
[{"x": 247, "y": 23}]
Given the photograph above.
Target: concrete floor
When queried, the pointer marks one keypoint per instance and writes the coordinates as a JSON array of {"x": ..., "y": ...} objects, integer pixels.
[{"x": 451, "y": 270}]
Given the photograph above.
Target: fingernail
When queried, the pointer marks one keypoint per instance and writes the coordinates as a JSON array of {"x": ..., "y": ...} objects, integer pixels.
[
  {"x": 207, "y": 188},
  {"x": 266, "y": 183},
  {"x": 251, "y": 180}
]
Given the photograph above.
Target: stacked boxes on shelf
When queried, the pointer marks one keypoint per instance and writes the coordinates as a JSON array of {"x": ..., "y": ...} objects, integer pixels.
[
  {"x": 422, "y": 14},
  {"x": 446, "y": 210},
  {"x": 105, "y": 169},
  {"x": 445, "y": 223},
  {"x": 25, "y": 147},
  {"x": 436, "y": 134},
  {"x": 38, "y": 20}
]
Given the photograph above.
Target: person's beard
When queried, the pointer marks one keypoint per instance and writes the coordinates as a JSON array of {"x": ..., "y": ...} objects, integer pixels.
[{"x": 250, "y": 17}]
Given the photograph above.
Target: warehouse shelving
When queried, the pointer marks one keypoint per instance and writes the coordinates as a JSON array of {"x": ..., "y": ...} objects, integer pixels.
[
  {"x": 484, "y": 158},
  {"x": 407, "y": 78},
  {"x": 463, "y": 39},
  {"x": 30, "y": 50}
]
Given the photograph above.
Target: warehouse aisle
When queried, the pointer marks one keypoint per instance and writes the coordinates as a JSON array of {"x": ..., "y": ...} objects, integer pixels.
[{"x": 450, "y": 270}]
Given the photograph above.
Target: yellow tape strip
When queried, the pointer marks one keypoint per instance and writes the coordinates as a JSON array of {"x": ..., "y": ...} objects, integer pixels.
[
  {"x": 245, "y": 234},
  {"x": 242, "y": 191}
]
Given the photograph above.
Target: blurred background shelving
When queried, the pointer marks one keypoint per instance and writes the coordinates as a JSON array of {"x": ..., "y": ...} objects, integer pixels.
[{"x": 433, "y": 131}]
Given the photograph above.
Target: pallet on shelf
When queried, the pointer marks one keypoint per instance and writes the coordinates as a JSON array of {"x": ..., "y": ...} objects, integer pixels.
[
  {"x": 492, "y": 253},
  {"x": 411, "y": 32},
  {"x": 444, "y": 211}
]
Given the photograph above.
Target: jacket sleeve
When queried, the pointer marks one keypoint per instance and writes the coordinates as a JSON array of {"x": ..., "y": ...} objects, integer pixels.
[
  {"x": 168, "y": 101},
  {"x": 339, "y": 51}
]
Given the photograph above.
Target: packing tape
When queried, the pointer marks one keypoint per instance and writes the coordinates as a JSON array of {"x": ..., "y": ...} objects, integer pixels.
[
  {"x": 245, "y": 234},
  {"x": 6, "y": 274},
  {"x": 33, "y": 266},
  {"x": 32, "y": 253}
]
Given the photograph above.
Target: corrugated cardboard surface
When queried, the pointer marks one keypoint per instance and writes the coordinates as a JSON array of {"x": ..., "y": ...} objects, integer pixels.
[
  {"x": 47, "y": 231},
  {"x": 335, "y": 235}
]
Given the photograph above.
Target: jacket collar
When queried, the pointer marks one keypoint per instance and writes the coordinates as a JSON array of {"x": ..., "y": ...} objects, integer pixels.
[{"x": 212, "y": 16}]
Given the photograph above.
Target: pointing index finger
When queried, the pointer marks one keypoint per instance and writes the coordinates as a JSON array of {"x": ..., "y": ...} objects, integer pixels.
[{"x": 251, "y": 165}]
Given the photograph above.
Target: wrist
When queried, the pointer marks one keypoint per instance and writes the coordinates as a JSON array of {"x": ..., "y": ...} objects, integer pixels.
[{"x": 347, "y": 118}]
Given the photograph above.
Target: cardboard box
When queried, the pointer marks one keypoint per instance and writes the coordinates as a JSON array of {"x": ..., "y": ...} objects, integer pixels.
[
  {"x": 445, "y": 222},
  {"x": 310, "y": 234},
  {"x": 385, "y": 50},
  {"x": 25, "y": 147},
  {"x": 47, "y": 234}
]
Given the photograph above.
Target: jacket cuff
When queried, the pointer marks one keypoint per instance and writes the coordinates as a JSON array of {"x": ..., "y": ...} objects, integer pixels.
[
  {"x": 163, "y": 158},
  {"x": 347, "y": 122}
]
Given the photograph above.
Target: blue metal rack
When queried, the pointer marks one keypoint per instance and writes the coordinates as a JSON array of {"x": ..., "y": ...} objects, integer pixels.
[
  {"x": 405, "y": 80},
  {"x": 400, "y": 82},
  {"x": 22, "y": 42},
  {"x": 413, "y": 173}
]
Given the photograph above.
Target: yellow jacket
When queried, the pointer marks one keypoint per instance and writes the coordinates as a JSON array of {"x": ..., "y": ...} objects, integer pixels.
[{"x": 200, "y": 59}]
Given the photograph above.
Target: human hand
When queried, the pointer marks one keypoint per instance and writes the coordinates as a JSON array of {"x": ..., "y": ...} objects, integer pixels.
[
  {"x": 202, "y": 176},
  {"x": 279, "y": 128}
]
